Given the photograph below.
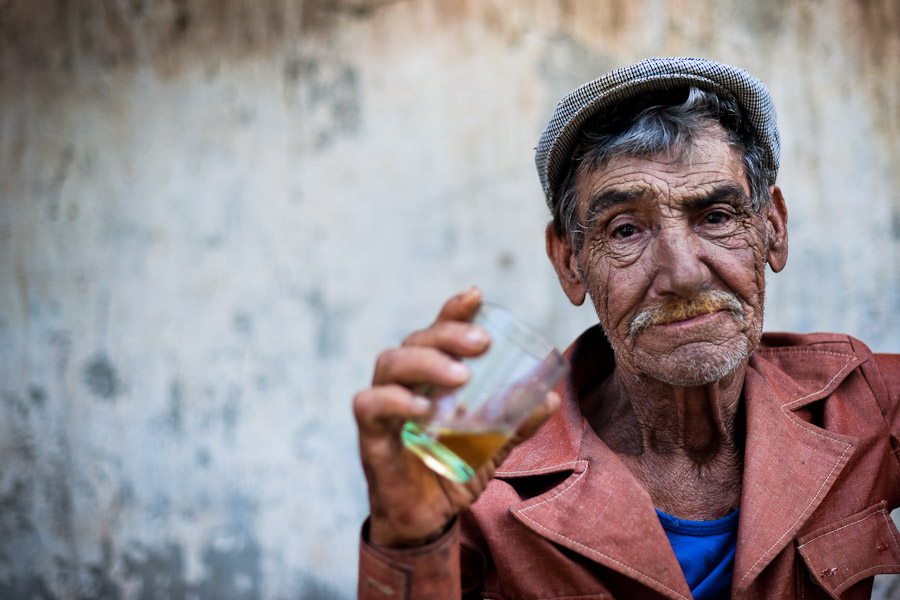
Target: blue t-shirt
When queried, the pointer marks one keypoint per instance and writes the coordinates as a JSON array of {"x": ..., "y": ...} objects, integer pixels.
[{"x": 705, "y": 550}]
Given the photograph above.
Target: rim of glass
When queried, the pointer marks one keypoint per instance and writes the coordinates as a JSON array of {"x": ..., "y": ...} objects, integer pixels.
[{"x": 491, "y": 315}]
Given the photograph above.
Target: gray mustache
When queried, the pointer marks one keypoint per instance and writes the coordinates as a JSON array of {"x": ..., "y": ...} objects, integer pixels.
[{"x": 680, "y": 309}]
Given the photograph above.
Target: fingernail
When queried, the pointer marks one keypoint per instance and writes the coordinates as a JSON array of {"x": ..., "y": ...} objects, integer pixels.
[
  {"x": 458, "y": 370},
  {"x": 477, "y": 335},
  {"x": 422, "y": 402}
]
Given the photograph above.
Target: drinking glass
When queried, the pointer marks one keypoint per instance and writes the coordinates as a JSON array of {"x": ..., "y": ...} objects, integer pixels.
[{"x": 470, "y": 423}]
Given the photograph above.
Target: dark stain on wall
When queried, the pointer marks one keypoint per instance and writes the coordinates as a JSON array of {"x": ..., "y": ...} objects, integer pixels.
[
  {"x": 174, "y": 415},
  {"x": 506, "y": 260},
  {"x": 57, "y": 490},
  {"x": 567, "y": 63},
  {"x": 232, "y": 571},
  {"x": 231, "y": 410},
  {"x": 313, "y": 589},
  {"x": 31, "y": 587},
  {"x": 329, "y": 337},
  {"x": 15, "y": 517},
  {"x": 53, "y": 191},
  {"x": 16, "y": 405},
  {"x": 160, "y": 572},
  {"x": 319, "y": 17},
  {"x": 60, "y": 37},
  {"x": 879, "y": 36},
  {"x": 37, "y": 396},
  {"x": 305, "y": 439},
  {"x": 330, "y": 94},
  {"x": 877, "y": 51},
  {"x": 159, "y": 507},
  {"x": 20, "y": 542},
  {"x": 101, "y": 379},
  {"x": 203, "y": 458},
  {"x": 125, "y": 495},
  {"x": 61, "y": 45},
  {"x": 182, "y": 18},
  {"x": 243, "y": 323},
  {"x": 335, "y": 98},
  {"x": 21, "y": 446},
  {"x": 96, "y": 581}
]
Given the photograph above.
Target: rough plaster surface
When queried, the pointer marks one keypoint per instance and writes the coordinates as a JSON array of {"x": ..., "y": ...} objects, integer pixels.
[{"x": 215, "y": 214}]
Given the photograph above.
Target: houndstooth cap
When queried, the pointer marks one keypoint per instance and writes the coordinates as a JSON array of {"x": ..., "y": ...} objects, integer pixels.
[{"x": 556, "y": 144}]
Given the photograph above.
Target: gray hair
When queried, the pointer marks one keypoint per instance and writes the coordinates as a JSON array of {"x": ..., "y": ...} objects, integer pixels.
[{"x": 670, "y": 121}]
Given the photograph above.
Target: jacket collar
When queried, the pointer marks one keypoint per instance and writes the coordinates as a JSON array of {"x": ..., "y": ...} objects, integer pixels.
[
  {"x": 789, "y": 464},
  {"x": 601, "y": 511}
]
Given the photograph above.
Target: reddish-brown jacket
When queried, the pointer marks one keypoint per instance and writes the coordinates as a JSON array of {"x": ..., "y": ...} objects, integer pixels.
[{"x": 565, "y": 519}]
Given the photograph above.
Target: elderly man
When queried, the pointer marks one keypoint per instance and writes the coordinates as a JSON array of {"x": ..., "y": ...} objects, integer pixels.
[{"x": 690, "y": 455}]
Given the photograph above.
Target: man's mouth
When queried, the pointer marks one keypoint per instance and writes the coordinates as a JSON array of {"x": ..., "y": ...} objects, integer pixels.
[{"x": 682, "y": 309}]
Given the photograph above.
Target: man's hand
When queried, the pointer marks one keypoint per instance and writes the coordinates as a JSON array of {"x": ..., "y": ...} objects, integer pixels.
[{"x": 410, "y": 504}]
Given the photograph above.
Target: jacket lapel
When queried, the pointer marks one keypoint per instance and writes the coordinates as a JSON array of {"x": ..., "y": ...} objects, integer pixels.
[
  {"x": 789, "y": 464},
  {"x": 600, "y": 511}
]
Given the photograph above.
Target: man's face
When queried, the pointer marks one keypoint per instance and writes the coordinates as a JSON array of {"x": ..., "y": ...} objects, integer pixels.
[{"x": 674, "y": 258}]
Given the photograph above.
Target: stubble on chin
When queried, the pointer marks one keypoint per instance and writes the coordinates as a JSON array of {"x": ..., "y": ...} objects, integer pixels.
[
  {"x": 700, "y": 368},
  {"x": 701, "y": 371}
]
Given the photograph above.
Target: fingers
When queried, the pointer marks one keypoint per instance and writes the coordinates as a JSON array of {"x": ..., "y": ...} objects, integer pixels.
[
  {"x": 461, "y": 307},
  {"x": 387, "y": 407},
  {"x": 428, "y": 355},
  {"x": 453, "y": 337},
  {"x": 414, "y": 365}
]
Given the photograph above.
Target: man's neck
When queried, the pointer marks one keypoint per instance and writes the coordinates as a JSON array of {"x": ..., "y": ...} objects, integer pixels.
[{"x": 684, "y": 444}]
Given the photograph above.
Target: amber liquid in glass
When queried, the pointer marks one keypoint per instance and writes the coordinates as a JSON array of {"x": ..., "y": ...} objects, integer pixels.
[{"x": 474, "y": 447}]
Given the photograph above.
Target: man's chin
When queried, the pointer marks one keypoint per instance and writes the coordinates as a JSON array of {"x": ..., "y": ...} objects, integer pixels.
[{"x": 694, "y": 369}]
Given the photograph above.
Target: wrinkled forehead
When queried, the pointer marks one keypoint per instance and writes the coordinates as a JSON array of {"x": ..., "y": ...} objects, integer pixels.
[{"x": 709, "y": 162}]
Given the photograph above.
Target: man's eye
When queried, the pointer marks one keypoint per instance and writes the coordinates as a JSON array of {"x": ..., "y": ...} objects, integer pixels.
[
  {"x": 716, "y": 217},
  {"x": 624, "y": 231}
]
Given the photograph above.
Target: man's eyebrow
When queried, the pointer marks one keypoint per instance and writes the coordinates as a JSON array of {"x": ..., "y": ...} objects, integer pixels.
[
  {"x": 606, "y": 199},
  {"x": 731, "y": 193}
]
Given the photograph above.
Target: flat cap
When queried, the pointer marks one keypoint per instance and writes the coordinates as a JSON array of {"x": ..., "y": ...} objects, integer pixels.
[{"x": 654, "y": 74}]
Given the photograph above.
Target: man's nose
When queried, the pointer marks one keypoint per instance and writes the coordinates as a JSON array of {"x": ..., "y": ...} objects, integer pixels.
[{"x": 680, "y": 268}]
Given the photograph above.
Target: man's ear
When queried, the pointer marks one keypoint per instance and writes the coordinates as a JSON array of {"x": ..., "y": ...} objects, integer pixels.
[
  {"x": 560, "y": 252},
  {"x": 776, "y": 224}
]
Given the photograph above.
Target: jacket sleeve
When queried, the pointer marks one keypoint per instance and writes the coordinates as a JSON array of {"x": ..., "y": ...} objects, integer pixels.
[{"x": 430, "y": 571}]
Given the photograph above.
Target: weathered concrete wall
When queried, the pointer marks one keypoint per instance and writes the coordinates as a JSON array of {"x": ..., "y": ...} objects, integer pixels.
[{"x": 215, "y": 213}]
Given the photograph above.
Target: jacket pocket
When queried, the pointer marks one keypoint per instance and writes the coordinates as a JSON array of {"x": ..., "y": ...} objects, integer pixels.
[{"x": 852, "y": 549}]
